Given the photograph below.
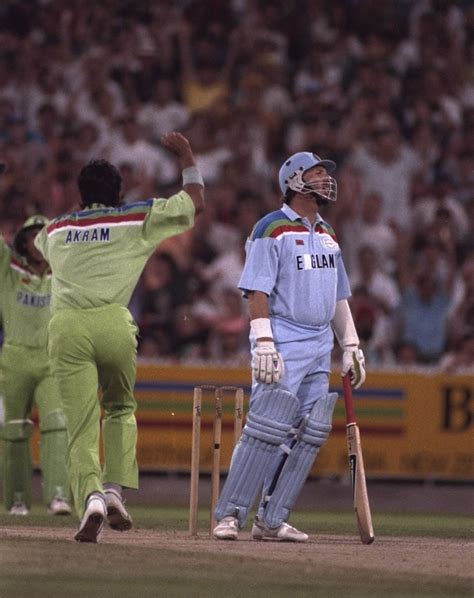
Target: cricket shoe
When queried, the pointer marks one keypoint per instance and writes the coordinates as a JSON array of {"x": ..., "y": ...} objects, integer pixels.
[
  {"x": 93, "y": 519},
  {"x": 117, "y": 515},
  {"x": 227, "y": 529},
  {"x": 59, "y": 506},
  {"x": 18, "y": 508},
  {"x": 283, "y": 533}
]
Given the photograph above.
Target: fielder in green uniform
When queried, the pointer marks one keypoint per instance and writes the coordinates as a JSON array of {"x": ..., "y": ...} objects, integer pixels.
[
  {"x": 97, "y": 256},
  {"x": 25, "y": 296}
]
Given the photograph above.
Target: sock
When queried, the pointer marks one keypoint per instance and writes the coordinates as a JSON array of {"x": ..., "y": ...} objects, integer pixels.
[
  {"x": 95, "y": 494},
  {"x": 112, "y": 486}
]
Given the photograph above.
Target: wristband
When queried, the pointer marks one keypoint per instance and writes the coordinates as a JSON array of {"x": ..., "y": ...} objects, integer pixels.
[
  {"x": 192, "y": 176},
  {"x": 261, "y": 328}
]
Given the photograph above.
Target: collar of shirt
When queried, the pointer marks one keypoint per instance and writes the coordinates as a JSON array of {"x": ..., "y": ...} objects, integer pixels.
[{"x": 292, "y": 215}]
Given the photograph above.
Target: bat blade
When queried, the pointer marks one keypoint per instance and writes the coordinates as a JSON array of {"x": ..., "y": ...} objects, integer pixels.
[{"x": 359, "y": 485}]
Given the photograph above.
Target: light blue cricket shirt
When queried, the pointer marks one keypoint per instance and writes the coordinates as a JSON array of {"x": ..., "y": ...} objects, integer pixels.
[{"x": 300, "y": 268}]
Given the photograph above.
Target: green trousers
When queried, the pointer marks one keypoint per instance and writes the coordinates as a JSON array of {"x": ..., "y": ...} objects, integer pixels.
[
  {"x": 91, "y": 349},
  {"x": 27, "y": 380}
]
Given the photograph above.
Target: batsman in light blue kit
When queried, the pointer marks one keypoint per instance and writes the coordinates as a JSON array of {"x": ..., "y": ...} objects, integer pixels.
[{"x": 297, "y": 289}]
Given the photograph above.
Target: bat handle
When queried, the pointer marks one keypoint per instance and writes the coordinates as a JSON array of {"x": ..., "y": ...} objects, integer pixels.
[{"x": 347, "y": 388}]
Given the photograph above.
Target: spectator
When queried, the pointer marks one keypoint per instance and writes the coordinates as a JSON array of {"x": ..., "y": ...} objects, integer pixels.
[
  {"x": 461, "y": 315},
  {"x": 461, "y": 359},
  {"x": 163, "y": 290},
  {"x": 388, "y": 166},
  {"x": 368, "y": 273},
  {"x": 225, "y": 270},
  {"x": 442, "y": 195},
  {"x": 364, "y": 228},
  {"x": 228, "y": 339},
  {"x": 163, "y": 113},
  {"x": 129, "y": 146},
  {"x": 385, "y": 89},
  {"x": 406, "y": 355},
  {"x": 203, "y": 80},
  {"x": 89, "y": 144},
  {"x": 374, "y": 328},
  {"x": 423, "y": 315}
]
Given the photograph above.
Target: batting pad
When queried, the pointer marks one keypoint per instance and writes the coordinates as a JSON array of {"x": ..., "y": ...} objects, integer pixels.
[
  {"x": 268, "y": 424},
  {"x": 313, "y": 434}
]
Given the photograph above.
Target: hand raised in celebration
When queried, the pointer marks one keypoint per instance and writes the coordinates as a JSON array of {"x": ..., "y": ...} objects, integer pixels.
[{"x": 176, "y": 143}]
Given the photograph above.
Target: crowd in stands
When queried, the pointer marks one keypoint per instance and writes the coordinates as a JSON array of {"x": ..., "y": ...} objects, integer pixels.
[{"x": 386, "y": 89}]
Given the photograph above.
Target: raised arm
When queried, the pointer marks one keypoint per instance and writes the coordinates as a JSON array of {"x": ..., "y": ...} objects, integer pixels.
[
  {"x": 5, "y": 255},
  {"x": 192, "y": 179}
]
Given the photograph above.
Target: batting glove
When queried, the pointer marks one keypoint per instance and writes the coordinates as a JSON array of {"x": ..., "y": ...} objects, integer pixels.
[
  {"x": 353, "y": 363},
  {"x": 267, "y": 363}
]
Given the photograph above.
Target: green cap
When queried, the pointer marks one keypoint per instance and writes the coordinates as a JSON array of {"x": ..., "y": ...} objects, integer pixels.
[{"x": 36, "y": 221}]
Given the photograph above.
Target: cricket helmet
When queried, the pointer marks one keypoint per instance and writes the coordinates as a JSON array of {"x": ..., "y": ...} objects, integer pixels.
[
  {"x": 291, "y": 174},
  {"x": 36, "y": 221}
]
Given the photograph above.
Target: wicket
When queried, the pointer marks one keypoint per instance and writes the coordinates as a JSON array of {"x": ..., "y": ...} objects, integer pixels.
[{"x": 216, "y": 446}]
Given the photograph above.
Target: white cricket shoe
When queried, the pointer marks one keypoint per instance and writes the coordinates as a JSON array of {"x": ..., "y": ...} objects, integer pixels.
[
  {"x": 227, "y": 529},
  {"x": 18, "y": 508},
  {"x": 93, "y": 519},
  {"x": 283, "y": 533},
  {"x": 117, "y": 515},
  {"x": 59, "y": 506}
]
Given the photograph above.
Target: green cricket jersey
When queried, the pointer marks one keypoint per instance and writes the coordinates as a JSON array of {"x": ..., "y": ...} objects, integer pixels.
[
  {"x": 25, "y": 299},
  {"x": 98, "y": 254}
]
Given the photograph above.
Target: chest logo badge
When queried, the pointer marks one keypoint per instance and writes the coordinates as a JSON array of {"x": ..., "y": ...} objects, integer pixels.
[{"x": 329, "y": 242}]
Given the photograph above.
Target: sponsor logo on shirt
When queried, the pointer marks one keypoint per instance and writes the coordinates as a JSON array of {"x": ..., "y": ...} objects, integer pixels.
[
  {"x": 32, "y": 300},
  {"x": 329, "y": 242},
  {"x": 314, "y": 261},
  {"x": 89, "y": 235}
]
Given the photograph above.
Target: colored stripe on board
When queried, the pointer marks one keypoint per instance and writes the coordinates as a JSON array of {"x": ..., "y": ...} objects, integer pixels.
[
  {"x": 155, "y": 385},
  {"x": 391, "y": 394},
  {"x": 181, "y": 405},
  {"x": 177, "y": 424},
  {"x": 377, "y": 412}
]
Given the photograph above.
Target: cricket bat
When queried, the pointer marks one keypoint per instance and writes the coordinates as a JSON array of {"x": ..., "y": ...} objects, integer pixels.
[{"x": 356, "y": 462}]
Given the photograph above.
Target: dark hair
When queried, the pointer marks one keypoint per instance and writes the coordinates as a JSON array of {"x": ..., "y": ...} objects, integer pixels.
[
  {"x": 99, "y": 182},
  {"x": 19, "y": 241}
]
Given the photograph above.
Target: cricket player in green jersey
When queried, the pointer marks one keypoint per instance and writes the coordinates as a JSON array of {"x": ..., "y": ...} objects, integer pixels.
[
  {"x": 97, "y": 255},
  {"x": 25, "y": 294}
]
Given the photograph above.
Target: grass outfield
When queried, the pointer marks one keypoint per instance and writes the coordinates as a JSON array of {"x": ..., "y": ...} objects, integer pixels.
[{"x": 158, "y": 558}]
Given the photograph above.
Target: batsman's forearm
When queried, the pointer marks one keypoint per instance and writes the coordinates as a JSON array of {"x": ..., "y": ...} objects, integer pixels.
[
  {"x": 343, "y": 325},
  {"x": 258, "y": 305},
  {"x": 259, "y": 313}
]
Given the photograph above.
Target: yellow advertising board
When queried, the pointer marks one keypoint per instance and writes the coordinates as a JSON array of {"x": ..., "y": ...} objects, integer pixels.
[{"x": 413, "y": 426}]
